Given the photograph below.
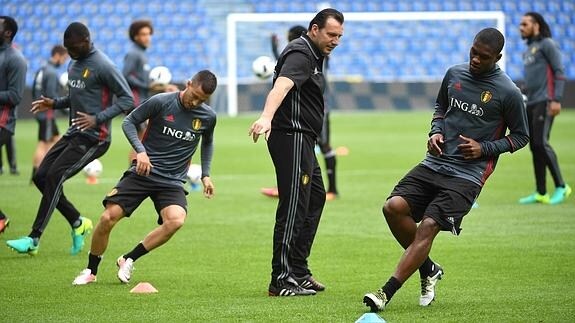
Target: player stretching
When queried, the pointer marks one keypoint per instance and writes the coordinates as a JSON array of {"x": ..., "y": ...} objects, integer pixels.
[
  {"x": 93, "y": 80},
  {"x": 476, "y": 104},
  {"x": 177, "y": 122}
]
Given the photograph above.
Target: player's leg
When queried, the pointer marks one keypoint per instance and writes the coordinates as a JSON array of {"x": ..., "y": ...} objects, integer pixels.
[
  {"x": 111, "y": 215},
  {"x": 329, "y": 156},
  {"x": 402, "y": 210},
  {"x": 562, "y": 190},
  {"x": 536, "y": 116},
  {"x": 286, "y": 152},
  {"x": 304, "y": 240},
  {"x": 41, "y": 147},
  {"x": 65, "y": 160},
  {"x": 4, "y": 138},
  {"x": 11, "y": 154},
  {"x": 171, "y": 204},
  {"x": 29, "y": 244}
]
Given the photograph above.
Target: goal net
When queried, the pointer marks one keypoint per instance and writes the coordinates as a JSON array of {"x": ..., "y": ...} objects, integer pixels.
[{"x": 376, "y": 46}]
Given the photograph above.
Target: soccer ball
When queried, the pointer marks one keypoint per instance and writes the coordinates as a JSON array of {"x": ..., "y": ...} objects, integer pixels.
[
  {"x": 263, "y": 67},
  {"x": 160, "y": 75},
  {"x": 94, "y": 168},
  {"x": 195, "y": 173},
  {"x": 63, "y": 79}
]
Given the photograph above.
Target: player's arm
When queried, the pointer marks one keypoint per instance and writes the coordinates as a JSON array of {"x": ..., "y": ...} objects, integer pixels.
[
  {"x": 435, "y": 141},
  {"x": 207, "y": 152},
  {"x": 277, "y": 94},
  {"x": 553, "y": 56},
  {"x": 130, "y": 64},
  {"x": 119, "y": 86},
  {"x": 515, "y": 118},
  {"x": 16, "y": 75},
  {"x": 296, "y": 69},
  {"x": 147, "y": 110}
]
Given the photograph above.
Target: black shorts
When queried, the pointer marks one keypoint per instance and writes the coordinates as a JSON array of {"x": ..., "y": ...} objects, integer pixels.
[
  {"x": 446, "y": 199},
  {"x": 133, "y": 189},
  {"x": 47, "y": 129},
  {"x": 5, "y": 136}
]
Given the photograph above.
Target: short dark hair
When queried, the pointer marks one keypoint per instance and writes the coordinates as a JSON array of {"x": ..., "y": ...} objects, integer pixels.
[
  {"x": 207, "y": 79},
  {"x": 58, "y": 49},
  {"x": 77, "y": 29},
  {"x": 296, "y": 31},
  {"x": 544, "y": 30},
  {"x": 137, "y": 25},
  {"x": 10, "y": 24},
  {"x": 492, "y": 38},
  {"x": 322, "y": 16}
]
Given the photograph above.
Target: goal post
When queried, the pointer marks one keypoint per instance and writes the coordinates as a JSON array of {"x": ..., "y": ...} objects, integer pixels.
[{"x": 234, "y": 19}]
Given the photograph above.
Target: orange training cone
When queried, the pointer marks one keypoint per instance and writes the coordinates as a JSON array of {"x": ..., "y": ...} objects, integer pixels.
[{"x": 143, "y": 288}]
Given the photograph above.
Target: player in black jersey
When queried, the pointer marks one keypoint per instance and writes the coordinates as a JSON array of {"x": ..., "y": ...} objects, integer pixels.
[
  {"x": 323, "y": 140},
  {"x": 291, "y": 122},
  {"x": 97, "y": 92},
  {"x": 178, "y": 121}
]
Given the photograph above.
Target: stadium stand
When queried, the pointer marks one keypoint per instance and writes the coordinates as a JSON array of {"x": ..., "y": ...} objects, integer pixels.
[{"x": 191, "y": 35}]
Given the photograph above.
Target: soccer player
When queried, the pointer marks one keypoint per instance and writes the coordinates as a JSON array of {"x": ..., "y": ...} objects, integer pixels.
[
  {"x": 47, "y": 84},
  {"x": 329, "y": 154},
  {"x": 12, "y": 82},
  {"x": 476, "y": 104},
  {"x": 93, "y": 80},
  {"x": 136, "y": 69},
  {"x": 291, "y": 122},
  {"x": 13, "y": 66},
  {"x": 544, "y": 86},
  {"x": 177, "y": 122}
]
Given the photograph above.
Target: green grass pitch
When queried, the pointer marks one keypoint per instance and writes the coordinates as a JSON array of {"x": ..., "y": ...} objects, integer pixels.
[{"x": 511, "y": 263}]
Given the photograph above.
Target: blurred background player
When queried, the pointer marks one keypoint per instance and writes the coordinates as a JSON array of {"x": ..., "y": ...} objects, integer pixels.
[
  {"x": 323, "y": 141},
  {"x": 544, "y": 86},
  {"x": 13, "y": 65},
  {"x": 13, "y": 68},
  {"x": 47, "y": 83},
  {"x": 93, "y": 81},
  {"x": 10, "y": 156},
  {"x": 159, "y": 170},
  {"x": 136, "y": 69}
]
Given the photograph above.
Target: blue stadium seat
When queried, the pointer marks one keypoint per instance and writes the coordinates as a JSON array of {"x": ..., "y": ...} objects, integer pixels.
[{"x": 191, "y": 34}]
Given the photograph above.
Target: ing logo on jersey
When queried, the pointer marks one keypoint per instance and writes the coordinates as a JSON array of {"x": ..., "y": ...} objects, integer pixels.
[
  {"x": 305, "y": 179},
  {"x": 86, "y": 73},
  {"x": 196, "y": 124},
  {"x": 486, "y": 96},
  {"x": 112, "y": 192}
]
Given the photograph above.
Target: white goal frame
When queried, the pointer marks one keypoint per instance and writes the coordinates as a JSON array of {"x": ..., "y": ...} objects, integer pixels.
[{"x": 234, "y": 18}]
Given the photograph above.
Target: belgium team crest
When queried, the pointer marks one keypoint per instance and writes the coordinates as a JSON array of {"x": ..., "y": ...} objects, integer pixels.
[
  {"x": 86, "y": 73},
  {"x": 305, "y": 179},
  {"x": 112, "y": 192},
  {"x": 486, "y": 96},
  {"x": 196, "y": 124}
]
